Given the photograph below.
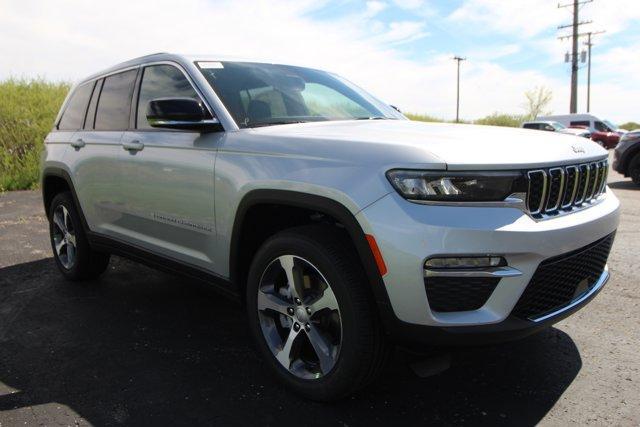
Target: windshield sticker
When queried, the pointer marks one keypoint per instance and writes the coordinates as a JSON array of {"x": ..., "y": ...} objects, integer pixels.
[{"x": 205, "y": 65}]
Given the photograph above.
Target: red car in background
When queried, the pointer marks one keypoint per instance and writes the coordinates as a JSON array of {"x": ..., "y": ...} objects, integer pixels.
[{"x": 605, "y": 139}]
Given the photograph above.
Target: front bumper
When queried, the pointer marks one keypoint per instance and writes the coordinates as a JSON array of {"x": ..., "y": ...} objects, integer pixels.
[{"x": 409, "y": 233}]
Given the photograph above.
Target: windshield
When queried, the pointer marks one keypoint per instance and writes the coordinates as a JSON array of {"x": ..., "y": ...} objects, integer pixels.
[
  {"x": 610, "y": 125},
  {"x": 258, "y": 94},
  {"x": 558, "y": 126}
]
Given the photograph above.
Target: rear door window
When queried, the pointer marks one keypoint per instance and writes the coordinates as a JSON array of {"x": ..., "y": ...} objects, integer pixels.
[
  {"x": 161, "y": 81},
  {"x": 114, "y": 105},
  {"x": 73, "y": 115}
]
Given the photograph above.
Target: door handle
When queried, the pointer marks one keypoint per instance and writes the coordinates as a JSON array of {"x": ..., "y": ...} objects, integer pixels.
[
  {"x": 78, "y": 143},
  {"x": 133, "y": 145}
]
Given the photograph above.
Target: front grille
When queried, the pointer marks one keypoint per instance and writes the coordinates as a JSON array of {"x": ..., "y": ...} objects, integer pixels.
[
  {"x": 562, "y": 189},
  {"x": 447, "y": 294},
  {"x": 560, "y": 280}
]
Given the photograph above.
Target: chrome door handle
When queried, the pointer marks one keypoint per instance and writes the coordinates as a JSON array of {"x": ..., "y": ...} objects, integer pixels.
[
  {"x": 133, "y": 145},
  {"x": 78, "y": 143}
]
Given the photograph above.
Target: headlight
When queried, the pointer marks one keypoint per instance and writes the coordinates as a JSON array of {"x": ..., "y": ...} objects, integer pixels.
[{"x": 456, "y": 186}]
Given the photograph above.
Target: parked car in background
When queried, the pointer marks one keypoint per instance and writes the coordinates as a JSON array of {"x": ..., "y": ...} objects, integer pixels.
[
  {"x": 604, "y": 139},
  {"x": 552, "y": 126},
  {"x": 626, "y": 157},
  {"x": 585, "y": 133},
  {"x": 587, "y": 120},
  {"x": 547, "y": 125}
]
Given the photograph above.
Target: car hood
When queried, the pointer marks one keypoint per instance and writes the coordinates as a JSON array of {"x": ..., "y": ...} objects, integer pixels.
[{"x": 459, "y": 146}]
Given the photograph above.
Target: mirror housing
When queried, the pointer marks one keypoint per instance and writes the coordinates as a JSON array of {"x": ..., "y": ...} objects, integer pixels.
[{"x": 181, "y": 113}]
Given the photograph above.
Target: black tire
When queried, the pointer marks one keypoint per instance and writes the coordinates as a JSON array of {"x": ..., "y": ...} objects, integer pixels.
[
  {"x": 87, "y": 264},
  {"x": 634, "y": 169},
  {"x": 364, "y": 349}
]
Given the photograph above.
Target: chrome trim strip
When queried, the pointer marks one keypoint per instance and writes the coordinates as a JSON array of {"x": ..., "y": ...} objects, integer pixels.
[
  {"x": 495, "y": 272},
  {"x": 586, "y": 184},
  {"x": 543, "y": 196},
  {"x": 596, "y": 168},
  {"x": 602, "y": 280},
  {"x": 560, "y": 190},
  {"x": 576, "y": 179}
]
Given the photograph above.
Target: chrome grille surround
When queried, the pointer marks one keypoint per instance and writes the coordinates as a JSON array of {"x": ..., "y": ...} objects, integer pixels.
[{"x": 560, "y": 190}]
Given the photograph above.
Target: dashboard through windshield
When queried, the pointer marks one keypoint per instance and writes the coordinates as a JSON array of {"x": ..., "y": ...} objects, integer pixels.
[{"x": 258, "y": 94}]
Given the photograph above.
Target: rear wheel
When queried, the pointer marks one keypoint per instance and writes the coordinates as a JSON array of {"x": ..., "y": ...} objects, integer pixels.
[
  {"x": 71, "y": 251},
  {"x": 311, "y": 316}
]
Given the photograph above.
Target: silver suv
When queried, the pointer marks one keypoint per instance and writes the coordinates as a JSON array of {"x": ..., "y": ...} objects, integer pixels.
[{"x": 342, "y": 226}]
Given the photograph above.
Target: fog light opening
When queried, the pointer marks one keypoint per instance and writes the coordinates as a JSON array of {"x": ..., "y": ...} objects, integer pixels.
[{"x": 466, "y": 262}]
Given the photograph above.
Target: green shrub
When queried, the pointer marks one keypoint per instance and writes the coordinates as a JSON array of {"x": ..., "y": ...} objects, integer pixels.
[
  {"x": 27, "y": 112},
  {"x": 423, "y": 118},
  {"x": 630, "y": 126},
  {"x": 499, "y": 119}
]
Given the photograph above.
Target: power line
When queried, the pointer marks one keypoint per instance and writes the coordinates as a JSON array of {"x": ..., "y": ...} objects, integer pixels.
[{"x": 458, "y": 59}]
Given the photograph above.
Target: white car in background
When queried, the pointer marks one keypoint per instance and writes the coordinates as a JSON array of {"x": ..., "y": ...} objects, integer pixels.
[{"x": 551, "y": 126}]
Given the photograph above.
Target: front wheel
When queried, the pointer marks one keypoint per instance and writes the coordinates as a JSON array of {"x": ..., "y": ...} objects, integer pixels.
[{"x": 311, "y": 315}]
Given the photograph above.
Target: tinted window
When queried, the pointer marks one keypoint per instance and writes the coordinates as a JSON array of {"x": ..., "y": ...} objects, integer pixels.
[
  {"x": 114, "y": 105},
  {"x": 73, "y": 115},
  {"x": 91, "y": 111},
  {"x": 601, "y": 126},
  {"x": 530, "y": 126},
  {"x": 161, "y": 81},
  {"x": 581, "y": 123}
]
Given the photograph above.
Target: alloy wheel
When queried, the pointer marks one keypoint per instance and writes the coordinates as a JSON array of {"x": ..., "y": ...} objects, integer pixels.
[
  {"x": 299, "y": 317},
  {"x": 64, "y": 237}
]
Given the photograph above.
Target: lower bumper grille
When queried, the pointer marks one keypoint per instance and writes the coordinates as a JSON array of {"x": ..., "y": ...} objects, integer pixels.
[
  {"x": 560, "y": 280},
  {"x": 447, "y": 294}
]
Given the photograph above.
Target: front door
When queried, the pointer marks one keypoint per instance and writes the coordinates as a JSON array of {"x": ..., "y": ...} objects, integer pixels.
[{"x": 168, "y": 177}]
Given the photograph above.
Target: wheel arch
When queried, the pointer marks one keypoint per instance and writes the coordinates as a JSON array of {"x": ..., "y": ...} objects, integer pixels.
[
  {"x": 309, "y": 202},
  {"x": 55, "y": 180}
]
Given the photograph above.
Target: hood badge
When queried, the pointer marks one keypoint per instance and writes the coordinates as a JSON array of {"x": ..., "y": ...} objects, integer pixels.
[{"x": 577, "y": 149}]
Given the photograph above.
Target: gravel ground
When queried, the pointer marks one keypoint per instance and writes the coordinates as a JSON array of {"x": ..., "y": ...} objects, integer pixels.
[{"x": 144, "y": 347}]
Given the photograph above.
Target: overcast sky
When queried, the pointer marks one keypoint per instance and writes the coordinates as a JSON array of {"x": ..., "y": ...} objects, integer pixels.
[{"x": 400, "y": 50}]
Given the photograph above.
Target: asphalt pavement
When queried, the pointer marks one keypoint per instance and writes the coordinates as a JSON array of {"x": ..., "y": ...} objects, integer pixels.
[{"x": 141, "y": 347}]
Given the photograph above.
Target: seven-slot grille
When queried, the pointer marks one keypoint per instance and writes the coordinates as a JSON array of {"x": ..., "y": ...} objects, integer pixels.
[{"x": 564, "y": 188}]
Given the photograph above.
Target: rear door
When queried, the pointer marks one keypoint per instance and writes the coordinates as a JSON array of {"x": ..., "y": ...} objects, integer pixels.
[
  {"x": 97, "y": 146},
  {"x": 168, "y": 176}
]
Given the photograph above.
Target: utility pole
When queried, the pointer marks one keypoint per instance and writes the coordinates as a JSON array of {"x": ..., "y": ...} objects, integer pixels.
[
  {"x": 589, "y": 44},
  {"x": 573, "y": 104},
  {"x": 458, "y": 59}
]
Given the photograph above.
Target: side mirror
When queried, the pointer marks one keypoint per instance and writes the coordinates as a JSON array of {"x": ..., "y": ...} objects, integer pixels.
[{"x": 181, "y": 113}]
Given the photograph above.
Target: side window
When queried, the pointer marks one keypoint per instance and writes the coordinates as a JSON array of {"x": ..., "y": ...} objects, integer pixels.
[
  {"x": 91, "y": 111},
  {"x": 600, "y": 126},
  {"x": 73, "y": 115},
  {"x": 581, "y": 123},
  {"x": 530, "y": 126},
  {"x": 161, "y": 81},
  {"x": 114, "y": 105}
]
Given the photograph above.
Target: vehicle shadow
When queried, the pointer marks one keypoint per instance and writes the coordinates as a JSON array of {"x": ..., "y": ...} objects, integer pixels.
[
  {"x": 142, "y": 347},
  {"x": 624, "y": 185}
]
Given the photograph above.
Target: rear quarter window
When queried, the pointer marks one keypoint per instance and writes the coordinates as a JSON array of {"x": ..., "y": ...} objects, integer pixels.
[
  {"x": 114, "y": 104},
  {"x": 73, "y": 115}
]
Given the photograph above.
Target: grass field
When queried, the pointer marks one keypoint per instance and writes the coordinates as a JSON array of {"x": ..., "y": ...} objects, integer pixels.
[
  {"x": 28, "y": 109},
  {"x": 27, "y": 112}
]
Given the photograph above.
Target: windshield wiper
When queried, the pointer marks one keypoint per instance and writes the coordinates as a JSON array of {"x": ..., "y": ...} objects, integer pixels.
[
  {"x": 372, "y": 118},
  {"x": 280, "y": 122}
]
